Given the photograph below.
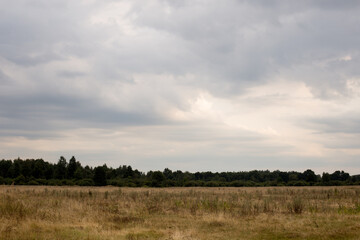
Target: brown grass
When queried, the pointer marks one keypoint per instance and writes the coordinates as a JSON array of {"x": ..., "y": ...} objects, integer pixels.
[{"x": 29, "y": 212}]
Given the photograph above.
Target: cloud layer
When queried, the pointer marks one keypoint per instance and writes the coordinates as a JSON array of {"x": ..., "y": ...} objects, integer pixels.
[{"x": 191, "y": 85}]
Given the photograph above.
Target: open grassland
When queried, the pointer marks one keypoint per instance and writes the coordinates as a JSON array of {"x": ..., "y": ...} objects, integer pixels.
[{"x": 38, "y": 212}]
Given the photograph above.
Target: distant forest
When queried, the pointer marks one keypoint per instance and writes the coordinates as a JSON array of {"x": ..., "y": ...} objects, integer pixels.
[{"x": 40, "y": 172}]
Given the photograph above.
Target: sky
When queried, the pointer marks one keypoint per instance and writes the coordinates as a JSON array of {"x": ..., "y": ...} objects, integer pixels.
[{"x": 182, "y": 84}]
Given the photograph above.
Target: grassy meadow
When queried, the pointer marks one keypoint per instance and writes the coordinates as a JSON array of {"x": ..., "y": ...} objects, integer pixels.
[{"x": 43, "y": 212}]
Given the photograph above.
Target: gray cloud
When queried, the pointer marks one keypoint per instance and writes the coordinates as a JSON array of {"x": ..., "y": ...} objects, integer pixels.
[
  {"x": 110, "y": 65},
  {"x": 233, "y": 45},
  {"x": 4, "y": 79},
  {"x": 242, "y": 44},
  {"x": 344, "y": 124},
  {"x": 52, "y": 111},
  {"x": 70, "y": 74}
]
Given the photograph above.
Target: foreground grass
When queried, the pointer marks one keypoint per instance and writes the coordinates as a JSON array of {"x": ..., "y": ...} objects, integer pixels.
[{"x": 28, "y": 212}]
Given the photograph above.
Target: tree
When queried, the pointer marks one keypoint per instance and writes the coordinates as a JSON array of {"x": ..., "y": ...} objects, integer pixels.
[
  {"x": 88, "y": 172},
  {"x": 129, "y": 173},
  {"x": 16, "y": 168},
  {"x": 5, "y": 168},
  {"x": 157, "y": 178},
  {"x": 60, "y": 170},
  {"x": 38, "y": 168},
  {"x": 168, "y": 173},
  {"x": 309, "y": 176},
  {"x": 49, "y": 170},
  {"x": 71, "y": 168},
  {"x": 26, "y": 167},
  {"x": 100, "y": 176},
  {"x": 325, "y": 177},
  {"x": 79, "y": 173},
  {"x": 339, "y": 176}
]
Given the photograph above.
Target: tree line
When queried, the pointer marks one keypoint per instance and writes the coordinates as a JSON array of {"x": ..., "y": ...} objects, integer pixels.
[{"x": 40, "y": 172}]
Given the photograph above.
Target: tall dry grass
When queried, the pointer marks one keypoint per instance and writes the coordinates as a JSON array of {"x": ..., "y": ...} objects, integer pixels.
[{"x": 179, "y": 213}]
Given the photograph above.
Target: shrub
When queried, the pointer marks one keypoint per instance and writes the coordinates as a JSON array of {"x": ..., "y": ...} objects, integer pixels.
[
  {"x": 85, "y": 182},
  {"x": 32, "y": 182},
  {"x": 212, "y": 184},
  {"x": 67, "y": 182},
  {"x": 20, "y": 180},
  {"x": 237, "y": 183},
  {"x": 54, "y": 182}
]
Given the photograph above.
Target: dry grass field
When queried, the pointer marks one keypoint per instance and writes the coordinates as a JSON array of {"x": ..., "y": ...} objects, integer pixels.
[{"x": 39, "y": 212}]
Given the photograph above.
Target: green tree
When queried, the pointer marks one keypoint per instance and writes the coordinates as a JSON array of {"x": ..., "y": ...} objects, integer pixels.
[
  {"x": 49, "y": 170},
  {"x": 309, "y": 176},
  {"x": 5, "y": 168},
  {"x": 79, "y": 173},
  {"x": 168, "y": 173},
  {"x": 129, "y": 173},
  {"x": 26, "y": 167},
  {"x": 16, "y": 168},
  {"x": 325, "y": 177},
  {"x": 60, "y": 170},
  {"x": 100, "y": 176},
  {"x": 157, "y": 178},
  {"x": 71, "y": 167},
  {"x": 38, "y": 168}
]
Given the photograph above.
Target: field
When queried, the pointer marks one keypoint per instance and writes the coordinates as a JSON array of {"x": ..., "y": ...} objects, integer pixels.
[{"x": 39, "y": 212}]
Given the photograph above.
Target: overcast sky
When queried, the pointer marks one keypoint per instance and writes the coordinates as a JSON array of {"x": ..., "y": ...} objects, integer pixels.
[{"x": 190, "y": 85}]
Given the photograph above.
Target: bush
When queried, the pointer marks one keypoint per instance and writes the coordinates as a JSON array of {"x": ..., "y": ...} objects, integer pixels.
[
  {"x": 212, "y": 184},
  {"x": 67, "y": 182},
  {"x": 20, "y": 180},
  {"x": 170, "y": 183},
  {"x": 130, "y": 184},
  {"x": 190, "y": 184},
  {"x": 54, "y": 182},
  {"x": 237, "y": 183},
  {"x": 85, "y": 182},
  {"x": 8, "y": 181},
  {"x": 250, "y": 184},
  {"x": 32, "y": 182},
  {"x": 41, "y": 181}
]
